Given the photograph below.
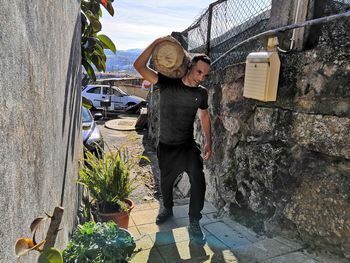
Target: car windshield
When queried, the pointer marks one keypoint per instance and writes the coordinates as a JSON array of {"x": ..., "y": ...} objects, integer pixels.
[
  {"x": 86, "y": 115},
  {"x": 120, "y": 91}
]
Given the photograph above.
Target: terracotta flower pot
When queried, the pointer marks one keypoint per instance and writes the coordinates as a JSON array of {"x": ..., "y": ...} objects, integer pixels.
[{"x": 120, "y": 218}]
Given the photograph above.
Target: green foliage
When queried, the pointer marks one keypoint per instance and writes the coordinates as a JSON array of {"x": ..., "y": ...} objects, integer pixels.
[
  {"x": 92, "y": 43},
  {"x": 50, "y": 255},
  {"x": 107, "y": 177},
  {"x": 99, "y": 242},
  {"x": 86, "y": 102}
]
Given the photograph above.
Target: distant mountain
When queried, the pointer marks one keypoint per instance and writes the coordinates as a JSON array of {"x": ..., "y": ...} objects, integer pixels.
[{"x": 122, "y": 61}]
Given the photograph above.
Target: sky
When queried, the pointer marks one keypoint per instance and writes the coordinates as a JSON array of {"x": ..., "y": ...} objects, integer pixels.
[{"x": 136, "y": 23}]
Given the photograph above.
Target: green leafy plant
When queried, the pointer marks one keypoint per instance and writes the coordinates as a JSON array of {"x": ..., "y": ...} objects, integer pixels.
[
  {"x": 51, "y": 255},
  {"x": 99, "y": 242},
  {"x": 92, "y": 43},
  {"x": 107, "y": 177},
  {"x": 86, "y": 102}
]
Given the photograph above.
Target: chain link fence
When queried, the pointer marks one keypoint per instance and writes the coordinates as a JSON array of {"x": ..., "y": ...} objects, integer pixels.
[
  {"x": 336, "y": 7},
  {"x": 226, "y": 23}
]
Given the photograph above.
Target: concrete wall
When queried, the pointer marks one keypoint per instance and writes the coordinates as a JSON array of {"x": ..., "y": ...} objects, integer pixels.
[{"x": 40, "y": 102}]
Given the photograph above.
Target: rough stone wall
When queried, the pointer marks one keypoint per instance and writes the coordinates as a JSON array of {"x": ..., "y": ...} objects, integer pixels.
[
  {"x": 285, "y": 163},
  {"x": 288, "y": 161},
  {"x": 153, "y": 116},
  {"x": 40, "y": 117}
]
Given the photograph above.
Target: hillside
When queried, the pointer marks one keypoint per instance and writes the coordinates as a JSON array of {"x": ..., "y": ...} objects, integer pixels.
[{"x": 122, "y": 61}]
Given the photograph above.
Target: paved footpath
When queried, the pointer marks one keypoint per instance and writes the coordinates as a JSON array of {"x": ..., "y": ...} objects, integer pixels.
[{"x": 227, "y": 241}]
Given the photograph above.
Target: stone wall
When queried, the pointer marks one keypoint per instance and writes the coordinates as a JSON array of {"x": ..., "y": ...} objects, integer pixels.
[
  {"x": 288, "y": 161},
  {"x": 284, "y": 167},
  {"x": 40, "y": 117}
]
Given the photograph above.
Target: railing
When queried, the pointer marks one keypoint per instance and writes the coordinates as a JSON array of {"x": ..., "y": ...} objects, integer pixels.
[{"x": 227, "y": 23}]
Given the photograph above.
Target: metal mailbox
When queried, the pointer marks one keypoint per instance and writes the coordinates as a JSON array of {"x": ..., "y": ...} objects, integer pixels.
[{"x": 261, "y": 76}]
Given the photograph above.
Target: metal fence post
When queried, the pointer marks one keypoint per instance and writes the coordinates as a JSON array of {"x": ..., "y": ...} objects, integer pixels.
[{"x": 210, "y": 15}]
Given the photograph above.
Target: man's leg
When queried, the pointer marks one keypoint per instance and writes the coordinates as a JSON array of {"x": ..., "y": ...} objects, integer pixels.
[
  {"x": 166, "y": 183},
  {"x": 197, "y": 180},
  {"x": 166, "y": 186},
  {"x": 169, "y": 171}
]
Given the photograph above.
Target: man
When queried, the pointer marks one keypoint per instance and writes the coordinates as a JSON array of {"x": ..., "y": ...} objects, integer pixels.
[{"x": 180, "y": 101}]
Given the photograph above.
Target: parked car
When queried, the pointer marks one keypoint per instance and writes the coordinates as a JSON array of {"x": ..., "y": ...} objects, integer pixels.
[
  {"x": 92, "y": 137},
  {"x": 119, "y": 99}
]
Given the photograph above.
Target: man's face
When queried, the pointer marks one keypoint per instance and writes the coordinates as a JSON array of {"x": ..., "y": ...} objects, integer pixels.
[{"x": 198, "y": 73}]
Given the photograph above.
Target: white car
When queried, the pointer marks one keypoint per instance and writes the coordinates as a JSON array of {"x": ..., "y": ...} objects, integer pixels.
[{"x": 119, "y": 99}]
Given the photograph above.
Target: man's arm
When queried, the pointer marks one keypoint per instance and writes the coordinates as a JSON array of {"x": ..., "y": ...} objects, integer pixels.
[
  {"x": 206, "y": 128},
  {"x": 141, "y": 62}
]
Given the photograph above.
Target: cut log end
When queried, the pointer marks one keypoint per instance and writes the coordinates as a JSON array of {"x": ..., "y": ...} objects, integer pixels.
[{"x": 170, "y": 59}]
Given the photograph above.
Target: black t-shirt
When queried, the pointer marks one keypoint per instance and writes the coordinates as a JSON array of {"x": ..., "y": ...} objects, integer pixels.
[{"x": 178, "y": 108}]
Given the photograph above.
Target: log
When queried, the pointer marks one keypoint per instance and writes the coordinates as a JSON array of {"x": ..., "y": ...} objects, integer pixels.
[{"x": 170, "y": 59}]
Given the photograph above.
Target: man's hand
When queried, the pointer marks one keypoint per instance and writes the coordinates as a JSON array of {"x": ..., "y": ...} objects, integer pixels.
[
  {"x": 207, "y": 151},
  {"x": 205, "y": 123}
]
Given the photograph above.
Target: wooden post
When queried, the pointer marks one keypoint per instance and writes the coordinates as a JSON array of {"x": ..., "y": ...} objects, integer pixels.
[
  {"x": 299, "y": 33},
  {"x": 283, "y": 13},
  {"x": 54, "y": 227}
]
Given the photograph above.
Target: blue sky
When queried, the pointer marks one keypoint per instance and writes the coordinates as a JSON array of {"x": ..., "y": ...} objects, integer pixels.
[{"x": 136, "y": 23}]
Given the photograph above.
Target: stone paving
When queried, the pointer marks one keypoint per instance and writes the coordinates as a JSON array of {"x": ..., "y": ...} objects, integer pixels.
[{"x": 227, "y": 241}]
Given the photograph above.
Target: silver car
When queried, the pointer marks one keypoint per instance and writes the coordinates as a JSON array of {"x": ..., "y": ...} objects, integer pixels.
[{"x": 92, "y": 137}]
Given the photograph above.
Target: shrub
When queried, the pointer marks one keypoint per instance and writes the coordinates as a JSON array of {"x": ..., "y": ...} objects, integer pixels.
[
  {"x": 107, "y": 177},
  {"x": 99, "y": 242}
]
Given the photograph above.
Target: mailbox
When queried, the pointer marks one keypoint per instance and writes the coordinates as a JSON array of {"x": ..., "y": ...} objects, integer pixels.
[{"x": 261, "y": 76}]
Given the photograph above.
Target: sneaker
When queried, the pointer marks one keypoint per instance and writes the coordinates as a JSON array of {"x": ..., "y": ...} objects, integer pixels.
[
  {"x": 196, "y": 233},
  {"x": 164, "y": 215}
]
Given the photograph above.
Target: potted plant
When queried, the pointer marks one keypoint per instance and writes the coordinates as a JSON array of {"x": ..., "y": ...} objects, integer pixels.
[
  {"x": 99, "y": 242},
  {"x": 107, "y": 177}
]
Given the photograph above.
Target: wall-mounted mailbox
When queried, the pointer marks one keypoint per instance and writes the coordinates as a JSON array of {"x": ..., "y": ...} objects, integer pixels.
[{"x": 261, "y": 76}]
